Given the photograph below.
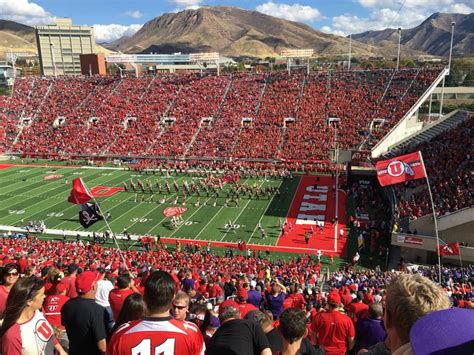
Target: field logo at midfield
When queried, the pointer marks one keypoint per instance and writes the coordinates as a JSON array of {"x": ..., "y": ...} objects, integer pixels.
[
  {"x": 174, "y": 211},
  {"x": 105, "y": 191},
  {"x": 53, "y": 177}
]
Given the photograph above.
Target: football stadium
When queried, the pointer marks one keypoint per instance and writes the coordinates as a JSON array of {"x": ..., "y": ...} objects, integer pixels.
[{"x": 173, "y": 204}]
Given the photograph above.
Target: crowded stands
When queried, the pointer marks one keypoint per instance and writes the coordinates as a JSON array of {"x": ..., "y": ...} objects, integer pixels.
[
  {"x": 84, "y": 283},
  {"x": 80, "y": 297},
  {"x": 449, "y": 168},
  {"x": 270, "y": 116}
]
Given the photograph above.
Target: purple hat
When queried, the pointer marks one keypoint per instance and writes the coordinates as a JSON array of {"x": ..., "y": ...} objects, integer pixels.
[
  {"x": 444, "y": 332},
  {"x": 214, "y": 322}
]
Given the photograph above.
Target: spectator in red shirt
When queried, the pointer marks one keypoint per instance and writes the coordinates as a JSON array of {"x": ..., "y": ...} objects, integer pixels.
[
  {"x": 333, "y": 330},
  {"x": 358, "y": 309},
  {"x": 10, "y": 274},
  {"x": 53, "y": 304},
  {"x": 214, "y": 290},
  {"x": 70, "y": 280},
  {"x": 294, "y": 299},
  {"x": 132, "y": 309},
  {"x": 244, "y": 307},
  {"x": 118, "y": 295}
]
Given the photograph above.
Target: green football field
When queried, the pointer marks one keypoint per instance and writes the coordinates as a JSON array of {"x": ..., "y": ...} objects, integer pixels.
[{"x": 25, "y": 196}]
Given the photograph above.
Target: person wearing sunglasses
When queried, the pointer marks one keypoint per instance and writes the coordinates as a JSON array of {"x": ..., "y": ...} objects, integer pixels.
[
  {"x": 25, "y": 330},
  {"x": 10, "y": 275},
  {"x": 180, "y": 306}
]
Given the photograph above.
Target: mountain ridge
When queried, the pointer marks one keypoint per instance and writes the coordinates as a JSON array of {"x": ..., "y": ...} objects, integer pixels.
[
  {"x": 236, "y": 32},
  {"x": 432, "y": 36}
]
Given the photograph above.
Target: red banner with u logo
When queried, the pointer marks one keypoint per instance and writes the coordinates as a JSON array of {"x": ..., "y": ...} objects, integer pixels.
[{"x": 400, "y": 169}]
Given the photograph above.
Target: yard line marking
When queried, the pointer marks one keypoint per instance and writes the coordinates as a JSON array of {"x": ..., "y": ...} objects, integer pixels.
[
  {"x": 188, "y": 217},
  {"x": 26, "y": 186},
  {"x": 202, "y": 230},
  {"x": 117, "y": 219},
  {"x": 72, "y": 206},
  {"x": 33, "y": 196},
  {"x": 243, "y": 209},
  {"x": 263, "y": 214},
  {"x": 27, "y": 216},
  {"x": 245, "y": 180},
  {"x": 217, "y": 214}
]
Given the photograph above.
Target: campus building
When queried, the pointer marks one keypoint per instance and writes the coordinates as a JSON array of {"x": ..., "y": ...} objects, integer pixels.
[{"x": 60, "y": 47}]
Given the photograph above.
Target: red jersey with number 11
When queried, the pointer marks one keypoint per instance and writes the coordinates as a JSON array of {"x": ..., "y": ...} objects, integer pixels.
[{"x": 151, "y": 336}]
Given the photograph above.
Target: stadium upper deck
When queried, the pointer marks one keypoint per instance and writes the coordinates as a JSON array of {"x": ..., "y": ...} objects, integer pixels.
[{"x": 113, "y": 116}]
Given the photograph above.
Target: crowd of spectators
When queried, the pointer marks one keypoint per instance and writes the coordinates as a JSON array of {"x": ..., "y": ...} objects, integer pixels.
[
  {"x": 448, "y": 164},
  {"x": 235, "y": 302},
  {"x": 108, "y": 115}
]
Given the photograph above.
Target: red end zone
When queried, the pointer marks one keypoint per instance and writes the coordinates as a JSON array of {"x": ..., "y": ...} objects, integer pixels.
[
  {"x": 5, "y": 166},
  {"x": 314, "y": 204}
]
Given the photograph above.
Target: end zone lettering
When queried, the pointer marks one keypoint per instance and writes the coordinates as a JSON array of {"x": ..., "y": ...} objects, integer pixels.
[{"x": 317, "y": 194}]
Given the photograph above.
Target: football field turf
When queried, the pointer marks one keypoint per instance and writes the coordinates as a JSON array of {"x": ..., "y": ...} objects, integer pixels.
[{"x": 33, "y": 193}]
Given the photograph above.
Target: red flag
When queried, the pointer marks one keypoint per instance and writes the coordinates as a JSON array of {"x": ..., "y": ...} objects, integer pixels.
[
  {"x": 174, "y": 211},
  {"x": 400, "y": 169},
  {"x": 79, "y": 193},
  {"x": 449, "y": 249},
  {"x": 242, "y": 246}
]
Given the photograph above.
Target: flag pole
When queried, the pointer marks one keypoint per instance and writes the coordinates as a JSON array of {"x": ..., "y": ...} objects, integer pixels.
[
  {"x": 434, "y": 215},
  {"x": 80, "y": 194},
  {"x": 110, "y": 229}
]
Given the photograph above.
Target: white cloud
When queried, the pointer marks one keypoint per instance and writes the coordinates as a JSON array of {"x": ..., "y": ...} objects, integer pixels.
[
  {"x": 392, "y": 14},
  {"x": 328, "y": 29},
  {"x": 187, "y": 4},
  {"x": 134, "y": 14},
  {"x": 24, "y": 11},
  {"x": 21, "y": 8},
  {"x": 461, "y": 9},
  {"x": 294, "y": 12},
  {"x": 109, "y": 33}
]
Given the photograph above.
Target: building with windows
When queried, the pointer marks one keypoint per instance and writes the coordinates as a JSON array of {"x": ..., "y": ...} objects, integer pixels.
[
  {"x": 6, "y": 76},
  {"x": 60, "y": 47}
]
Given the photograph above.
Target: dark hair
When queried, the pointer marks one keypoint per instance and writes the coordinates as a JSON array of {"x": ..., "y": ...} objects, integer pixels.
[
  {"x": 44, "y": 271},
  {"x": 360, "y": 296},
  {"x": 227, "y": 313},
  {"x": 375, "y": 310},
  {"x": 123, "y": 281},
  {"x": 8, "y": 268},
  {"x": 25, "y": 289},
  {"x": 292, "y": 324},
  {"x": 132, "y": 309},
  {"x": 71, "y": 268},
  {"x": 160, "y": 289}
]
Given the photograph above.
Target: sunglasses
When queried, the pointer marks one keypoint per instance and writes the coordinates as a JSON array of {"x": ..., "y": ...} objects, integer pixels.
[
  {"x": 179, "y": 307},
  {"x": 12, "y": 273}
]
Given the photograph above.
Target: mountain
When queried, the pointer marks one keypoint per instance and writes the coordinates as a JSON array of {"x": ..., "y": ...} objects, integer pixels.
[
  {"x": 21, "y": 38},
  {"x": 432, "y": 36},
  {"x": 236, "y": 32},
  {"x": 114, "y": 45},
  {"x": 17, "y": 37}
]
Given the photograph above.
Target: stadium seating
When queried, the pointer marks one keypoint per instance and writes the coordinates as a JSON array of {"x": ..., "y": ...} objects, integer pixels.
[
  {"x": 448, "y": 166},
  {"x": 162, "y": 116}
]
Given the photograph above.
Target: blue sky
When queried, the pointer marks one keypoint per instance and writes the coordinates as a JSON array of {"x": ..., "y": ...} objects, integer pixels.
[{"x": 114, "y": 18}]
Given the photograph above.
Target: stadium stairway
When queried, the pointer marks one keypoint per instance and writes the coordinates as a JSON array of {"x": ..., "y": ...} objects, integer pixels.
[{"x": 430, "y": 131}]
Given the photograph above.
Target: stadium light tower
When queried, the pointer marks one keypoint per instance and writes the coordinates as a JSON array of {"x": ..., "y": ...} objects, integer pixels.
[
  {"x": 334, "y": 122},
  {"x": 350, "y": 52},
  {"x": 53, "y": 61},
  {"x": 399, "y": 41},
  {"x": 453, "y": 24}
]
